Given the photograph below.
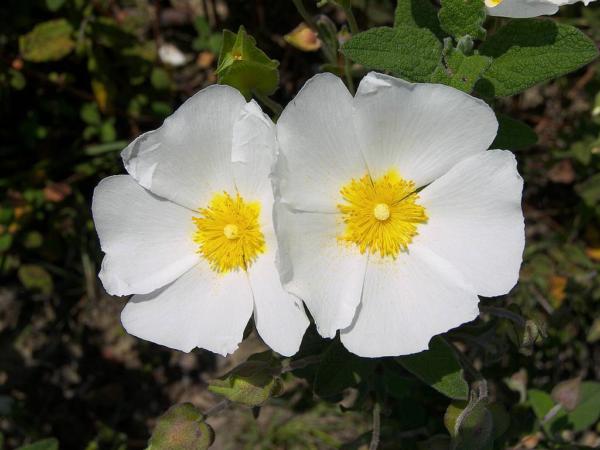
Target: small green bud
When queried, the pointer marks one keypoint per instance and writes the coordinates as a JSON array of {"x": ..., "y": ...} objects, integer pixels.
[
  {"x": 252, "y": 383},
  {"x": 182, "y": 427}
]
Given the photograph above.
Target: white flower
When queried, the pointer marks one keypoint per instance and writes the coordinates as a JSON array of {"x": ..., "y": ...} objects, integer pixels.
[
  {"x": 171, "y": 55},
  {"x": 527, "y": 8},
  {"x": 190, "y": 230},
  {"x": 391, "y": 215}
]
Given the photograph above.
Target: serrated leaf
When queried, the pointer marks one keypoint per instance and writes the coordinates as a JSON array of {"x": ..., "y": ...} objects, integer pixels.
[
  {"x": 530, "y": 51},
  {"x": 339, "y": 369},
  {"x": 410, "y": 53},
  {"x": 419, "y": 14},
  {"x": 513, "y": 134},
  {"x": 463, "y": 17},
  {"x": 460, "y": 71},
  {"x": 251, "y": 383},
  {"x": 44, "y": 444},
  {"x": 439, "y": 368},
  {"x": 244, "y": 66},
  {"x": 48, "y": 41},
  {"x": 182, "y": 427}
]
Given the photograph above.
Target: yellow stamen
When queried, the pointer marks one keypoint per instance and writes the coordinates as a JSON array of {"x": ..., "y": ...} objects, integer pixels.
[
  {"x": 381, "y": 215},
  {"x": 228, "y": 233}
]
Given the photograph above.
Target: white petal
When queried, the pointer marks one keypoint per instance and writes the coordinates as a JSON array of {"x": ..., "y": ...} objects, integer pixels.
[
  {"x": 421, "y": 130},
  {"x": 406, "y": 302},
  {"x": 279, "y": 316},
  {"x": 315, "y": 267},
  {"x": 523, "y": 8},
  {"x": 318, "y": 146},
  {"x": 188, "y": 158},
  {"x": 253, "y": 152},
  {"x": 147, "y": 240},
  {"x": 476, "y": 222},
  {"x": 200, "y": 309}
]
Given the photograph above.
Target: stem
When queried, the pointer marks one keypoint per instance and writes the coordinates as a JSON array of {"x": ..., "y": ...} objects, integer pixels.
[
  {"x": 504, "y": 313},
  {"x": 301, "y": 363},
  {"x": 467, "y": 365},
  {"x": 223, "y": 404},
  {"x": 304, "y": 13},
  {"x": 349, "y": 79},
  {"x": 275, "y": 107},
  {"x": 376, "y": 427},
  {"x": 351, "y": 20}
]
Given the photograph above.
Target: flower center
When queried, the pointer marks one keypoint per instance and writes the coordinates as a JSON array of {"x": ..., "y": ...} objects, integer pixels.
[
  {"x": 228, "y": 233},
  {"x": 492, "y": 3},
  {"x": 381, "y": 211},
  {"x": 381, "y": 215},
  {"x": 231, "y": 231}
]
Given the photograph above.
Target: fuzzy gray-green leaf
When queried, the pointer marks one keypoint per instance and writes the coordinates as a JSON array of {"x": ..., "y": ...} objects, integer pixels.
[{"x": 531, "y": 51}]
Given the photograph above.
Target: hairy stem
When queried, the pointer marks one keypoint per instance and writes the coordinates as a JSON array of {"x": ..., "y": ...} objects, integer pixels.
[{"x": 376, "y": 427}]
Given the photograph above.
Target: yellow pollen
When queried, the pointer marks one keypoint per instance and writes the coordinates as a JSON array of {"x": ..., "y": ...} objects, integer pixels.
[
  {"x": 228, "y": 233},
  {"x": 492, "y": 3},
  {"x": 231, "y": 231},
  {"x": 381, "y": 215},
  {"x": 381, "y": 211}
]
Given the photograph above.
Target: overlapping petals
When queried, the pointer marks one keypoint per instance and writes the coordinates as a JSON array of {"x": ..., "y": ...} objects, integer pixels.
[
  {"x": 528, "y": 8},
  {"x": 471, "y": 243},
  {"x": 215, "y": 142}
]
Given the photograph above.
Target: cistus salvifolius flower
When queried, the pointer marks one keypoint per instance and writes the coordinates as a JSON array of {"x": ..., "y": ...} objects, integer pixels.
[
  {"x": 392, "y": 216},
  {"x": 190, "y": 232},
  {"x": 527, "y": 8}
]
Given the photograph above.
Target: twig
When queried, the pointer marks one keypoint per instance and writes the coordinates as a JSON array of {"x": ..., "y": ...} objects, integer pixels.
[
  {"x": 301, "y": 363},
  {"x": 351, "y": 20},
  {"x": 503, "y": 313},
  {"x": 349, "y": 79},
  {"x": 222, "y": 405},
  {"x": 376, "y": 427},
  {"x": 299, "y": 4}
]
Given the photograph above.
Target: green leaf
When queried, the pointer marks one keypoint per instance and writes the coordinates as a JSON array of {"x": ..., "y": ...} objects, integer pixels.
[
  {"x": 588, "y": 410},
  {"x": 100, "y": 149},
  {"x": 460, "y": 71},
  {"x": 182, "y": 427},
  {"x": 419, "y": 14},
  {"x": 340, "y": 369},
  {"x": 411, "y": 53},
  {"x": 6, "y": 241},
  {"x": 54, "y": 5},
  {"x": 589, "y": 190},
  {"x": 244, "y": 66},
  {"x": 475, "y": 428},
  {"x": 35, "y": 278},
  {"x": 513, "y": 134},
  {"x": 463, "y": 17},
  {"x": 542, "y": 404},
  {"x": 48, "y": 41},
  {"x": 530, "y": 51},
  {"x": 439, "y": 368},
  {"x": 44, "y": 444},
  {"x": 160, "y": 79},
  {"x": 251, "y": 383}
]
